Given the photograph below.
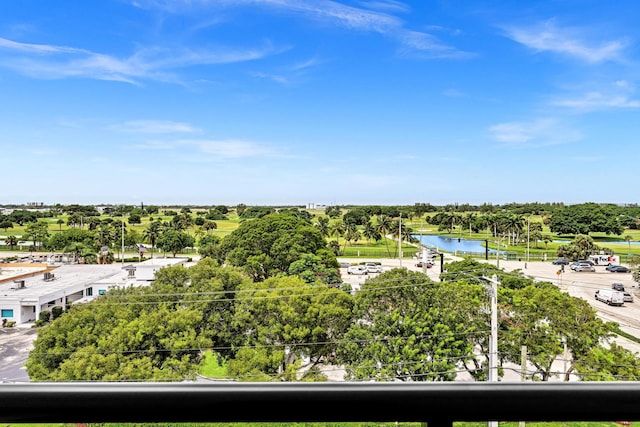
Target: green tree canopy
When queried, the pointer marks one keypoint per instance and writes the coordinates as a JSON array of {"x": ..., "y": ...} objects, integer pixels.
[
  {"x": 174, "y": 241},
  {"x": 586, "y": 218},
  {"x": 267, "y": 246},
  {"x": 282, "y": 320},
  {"x": 409, "y": 328}
]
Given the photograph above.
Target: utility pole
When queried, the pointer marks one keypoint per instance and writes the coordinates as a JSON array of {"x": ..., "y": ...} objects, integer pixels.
[
  {"x": 528, "y": 235},
  {"x": 400, "y": 239},
  {"x": 523, "y": 370},
  {"x": 493, "y": 339},
  {"x": 122, "y": 238}
]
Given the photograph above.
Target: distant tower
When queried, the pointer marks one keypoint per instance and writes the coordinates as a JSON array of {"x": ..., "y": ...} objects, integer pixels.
[{"x": 142, "y": 206}]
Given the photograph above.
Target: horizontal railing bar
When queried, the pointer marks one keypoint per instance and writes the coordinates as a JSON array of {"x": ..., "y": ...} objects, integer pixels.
[{"x": 437, "y": 403}]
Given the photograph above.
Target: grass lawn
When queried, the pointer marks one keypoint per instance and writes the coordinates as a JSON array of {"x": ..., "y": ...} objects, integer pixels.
[{"x": 384, "y": 248}]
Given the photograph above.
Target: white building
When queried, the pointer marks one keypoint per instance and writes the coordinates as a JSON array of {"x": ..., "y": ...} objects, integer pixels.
[{"x": 26, "y": 291}]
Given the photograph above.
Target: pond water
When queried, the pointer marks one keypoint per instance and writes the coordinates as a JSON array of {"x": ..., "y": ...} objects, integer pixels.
[{"x": 452, "y": 244}]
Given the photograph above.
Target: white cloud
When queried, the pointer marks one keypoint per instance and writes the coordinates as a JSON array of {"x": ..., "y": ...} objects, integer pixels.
[
  {"x": 598, "y": 101},
  {"x": 154, "y": 127},
  {"x": 57, "y": 62},
  {"x": 373, "y": 16},
  {"x": 533, "y": 134},
  {"x": 547, "y": 37},
  {"x": 617, "y": 95},
  {"x": 229, "y": 149}
]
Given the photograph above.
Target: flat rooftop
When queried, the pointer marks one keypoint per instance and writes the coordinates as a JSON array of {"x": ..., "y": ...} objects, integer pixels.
[{"x": 64, "y": 277}]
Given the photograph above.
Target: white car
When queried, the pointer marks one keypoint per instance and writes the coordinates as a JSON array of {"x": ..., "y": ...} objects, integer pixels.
[
  {"x": 357, "y": 269},
  {"x": 372, "y": 267}
]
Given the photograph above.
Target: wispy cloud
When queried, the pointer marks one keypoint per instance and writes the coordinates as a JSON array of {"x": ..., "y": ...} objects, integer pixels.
[
  {"x": 618, "y": 95},
  {"x": 537, "y": 133},
  {"x": 229, "y": 149},
  {"x": 153, "y": 127},
  {"x": 374, "y": 16},
  {"x": 598, "y": 101},
  {"x": 549, "y": 37},
  {"x": 56, "y": 62}
]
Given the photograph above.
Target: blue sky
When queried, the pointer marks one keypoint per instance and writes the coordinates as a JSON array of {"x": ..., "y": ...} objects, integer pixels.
[{"x": 270, "y": 102}]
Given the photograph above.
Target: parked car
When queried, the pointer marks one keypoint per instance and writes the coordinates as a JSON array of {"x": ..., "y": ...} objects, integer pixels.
[
  {"x": 575, "y": 264},
  {"x": 617, "y": 286},
  {"x": 357, "y": 269},
  {"x": 561, "y": 261},
  {"x": 628, "y": 297},
  {"x": 582, "y": 266},
  {"x": 616, "y": 268},
  {"x": 372, "y": 267},
  {"x": 428, "y": 264},
  {"x": 585, "y": 267}
]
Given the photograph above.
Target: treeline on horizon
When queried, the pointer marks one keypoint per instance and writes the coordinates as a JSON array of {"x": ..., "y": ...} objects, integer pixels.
[{"x": 419, "y": 207}]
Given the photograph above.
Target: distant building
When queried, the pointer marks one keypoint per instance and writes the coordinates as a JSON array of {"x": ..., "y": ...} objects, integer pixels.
[
  {"x": 26, "y": 290},
  {"x": 316, "y": 206}
]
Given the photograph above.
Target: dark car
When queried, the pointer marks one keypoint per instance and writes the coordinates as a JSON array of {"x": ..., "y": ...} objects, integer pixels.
[
  {"x": 617, "y": 286},
  {"x": 615, "y": 268},
  {"x": 561, "y": 261}
]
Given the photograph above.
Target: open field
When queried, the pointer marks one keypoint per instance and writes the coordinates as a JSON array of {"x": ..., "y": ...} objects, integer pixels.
[{"x": 385, "y": 248}]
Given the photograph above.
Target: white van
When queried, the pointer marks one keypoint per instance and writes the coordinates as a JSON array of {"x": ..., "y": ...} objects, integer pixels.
[{"x": 610, "y": 296}]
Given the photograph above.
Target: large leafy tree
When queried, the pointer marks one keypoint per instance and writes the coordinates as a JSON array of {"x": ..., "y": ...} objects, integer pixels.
[
  {"x": 409, "y": 329},
  {"x": 614, "y": 363},
  {"x": 175, "y": 241},
  {"x": 268, "y": 245},
  {"x": 282, "y": 320},
  {"x": 580, "y": 248},
  {"x": 141, "y": 333},
  {"x": 586, "y": 218},
  {"x": 544, "y": 319},
  {"x": 311, "y": 269},
  {"x": 37, "y": 232}
]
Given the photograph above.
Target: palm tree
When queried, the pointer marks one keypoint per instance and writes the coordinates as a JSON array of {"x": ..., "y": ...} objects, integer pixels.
[
  {"x": 323, "y": 226},
  {"x": 151, "y": 233},
  {"x": 370, "y": 232},
  {"x": 104, "y": 235},
  {"x": 383, "y": 227},
  {"x": 12, "y": 241},
  {"x": 337, "y": 229},
  {"x": 629, "y": 238},
  {"x": 351, "y": 234}
]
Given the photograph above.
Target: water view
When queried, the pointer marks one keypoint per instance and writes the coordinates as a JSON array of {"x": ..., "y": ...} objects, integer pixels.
[{"x": 452, "y": 244}]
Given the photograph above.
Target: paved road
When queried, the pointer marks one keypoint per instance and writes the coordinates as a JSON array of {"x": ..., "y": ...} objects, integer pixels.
[{"x": 15, "y": 345}]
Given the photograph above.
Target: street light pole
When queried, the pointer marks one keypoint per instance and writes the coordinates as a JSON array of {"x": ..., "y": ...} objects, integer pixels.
[
  {"x": 400, "y": 239},
  {"x": 122, "y": 258},
  {"x": 528, "y": 234}
]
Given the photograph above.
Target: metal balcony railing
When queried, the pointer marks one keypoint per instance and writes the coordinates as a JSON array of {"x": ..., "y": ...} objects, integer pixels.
[{"x": 437, "y": 404}]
